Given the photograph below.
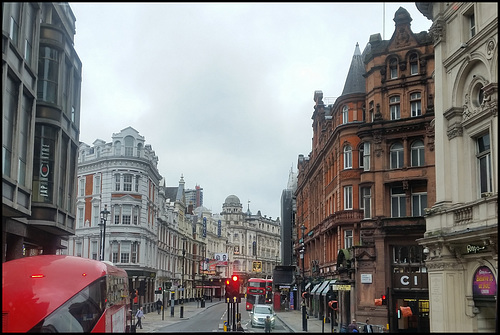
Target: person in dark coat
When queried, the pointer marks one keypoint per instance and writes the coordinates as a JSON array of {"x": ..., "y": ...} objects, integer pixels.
[
  {"x": 368, "y": 327},
  {"x": 267, "y": 325},
  {"x": 158, "y": 306}
]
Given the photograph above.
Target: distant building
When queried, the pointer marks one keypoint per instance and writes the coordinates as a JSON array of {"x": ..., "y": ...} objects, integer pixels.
[
  {"x": 461, "y": 238},
  {"x": 194, "y": 198},
  {"x": 41, "y": 83},
  {"x": 253, "y": 240}
]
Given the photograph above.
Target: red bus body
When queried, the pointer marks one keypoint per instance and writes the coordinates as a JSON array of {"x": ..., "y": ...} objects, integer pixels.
[
  {"x": 256, "y": 292},
  {"x": 56, "y": 293}
]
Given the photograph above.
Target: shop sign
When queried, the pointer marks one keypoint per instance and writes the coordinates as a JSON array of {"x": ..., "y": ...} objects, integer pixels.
[
  {"x": 337, "y": 287},
  {"x": 474, "y": 248},
  {"x": 484, "y": 283},
  {"x": 410, "y": 280},
  {"x": 366, "y": 278}
]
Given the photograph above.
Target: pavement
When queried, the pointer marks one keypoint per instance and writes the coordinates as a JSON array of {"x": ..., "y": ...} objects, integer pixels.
[{"x": 291, "y": 319}]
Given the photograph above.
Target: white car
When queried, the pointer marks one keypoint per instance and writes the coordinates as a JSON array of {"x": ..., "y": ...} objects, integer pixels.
[{"x": 259, "y": 314}]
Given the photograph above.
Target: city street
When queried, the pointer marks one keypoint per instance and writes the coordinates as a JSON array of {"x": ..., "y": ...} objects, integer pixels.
[{"x": 196, "y": 317}]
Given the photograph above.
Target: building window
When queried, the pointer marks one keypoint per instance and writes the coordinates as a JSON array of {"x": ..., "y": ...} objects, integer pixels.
[
  {"x": 93, "y": 250},
  {"x": 398, "y": 202},
  {"x": 9, "y": 110},
  {"x": 48, "y": 75},
  {"x": 24, "y": 130},
  {"x": 471, "y": 22},
  {"x": 135, "y": 215},
  {"x": 134, "y": 252},
  {"x": 125, "y": 252},
  {"x": 397, "y": 155},
  {"x": 78, "y": 248},
  {"x": 137, "y": 178},
  {"x": 484, "y": 163},
  {"x": 413, "y": 64},
  {"x": 347, "y": 239},
  {"x": 114, "y": 252},
  {"x": 117, "y": 182},
  {"x": 395, "y": 107},
  {"x": 127, "y": 182},
  {"x": 81, "y": 187},
  {"x": 371, "y": 111},
  {"x": 415, "y": 104},
  {"x": 129, "y": 146},
  {"x": 366, "y": 202},
  {"x": 347, "y": 197},
  {"x": 419, "y": 202},
  {"x": 117, "y": 218},
  {"x": 417, "y": 153},
  {"x": 345, "y": 115},
  {"x": 126, "y": 215},
  {"x": 96, "y": 218},
  {"x": 97, "y": 184},
  {"x": 347, "y": 157},
  {"x": 364, "y": 156},
  {"x": 118, "y": 148},
  {"x": 80, "y": 217},
  {"x": 393, "y": 68},
  {"x": 14, "y": 23}
]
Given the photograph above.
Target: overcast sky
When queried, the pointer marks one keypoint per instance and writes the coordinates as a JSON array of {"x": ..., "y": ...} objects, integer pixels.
[{"x": 223, "y": 92}]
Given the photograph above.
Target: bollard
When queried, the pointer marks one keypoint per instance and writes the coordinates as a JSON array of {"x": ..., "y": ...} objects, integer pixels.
[
  {"x": 182, "y": 312},
  {"x": 202, "y": 303}
]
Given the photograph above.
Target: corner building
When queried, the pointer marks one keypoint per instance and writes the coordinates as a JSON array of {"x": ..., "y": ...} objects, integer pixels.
[
  {"x": 121, "y": 177},
  {"x": 362, "y": 191},
  {"x": 461, "y": 238}
]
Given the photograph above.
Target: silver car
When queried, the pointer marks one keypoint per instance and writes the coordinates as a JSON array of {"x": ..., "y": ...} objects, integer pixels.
[{"x": 259, "y": 313}]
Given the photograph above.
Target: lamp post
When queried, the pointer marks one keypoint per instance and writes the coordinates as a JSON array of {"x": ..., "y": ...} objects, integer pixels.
[
  {"x": 102, "y": 225},
  {"x": 182, "y": 277},
  {"x": 302, "y": 251}
]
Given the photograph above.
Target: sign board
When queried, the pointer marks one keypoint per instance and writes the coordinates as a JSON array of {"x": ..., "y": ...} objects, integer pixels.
[
  {"x": 337, "y": 287},
  {"x": 366, "y": 278}
]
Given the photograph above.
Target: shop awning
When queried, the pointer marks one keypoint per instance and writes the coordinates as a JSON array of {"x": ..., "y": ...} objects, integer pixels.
[
  {"x": 315, "y": 288},
  {"x": 322, "y": 287},
  {"x": 307, "y": 286},
  {"x": 327, "y": 287}
]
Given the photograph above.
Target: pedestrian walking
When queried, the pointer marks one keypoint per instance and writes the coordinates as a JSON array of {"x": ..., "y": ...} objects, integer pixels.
[
  {"x": 368, "y": 327},
  {"x": 158, "y": 306},
  {"x": 139, "y": 315},
  {"x": 353, "y": 327},
  {"x": 267, "y": 325}
]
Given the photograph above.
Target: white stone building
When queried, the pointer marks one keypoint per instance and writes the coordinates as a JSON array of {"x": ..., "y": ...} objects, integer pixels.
[
  {"x": 461, "y": 239},
  {"x": 121, "y": 178}
]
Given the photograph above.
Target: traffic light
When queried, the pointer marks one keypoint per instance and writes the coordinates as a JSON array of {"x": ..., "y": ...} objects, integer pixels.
[
  {"x": 159, "y": 291},
  {"x": 233, "y": 287},
  {"x": 384, "y": 299}
]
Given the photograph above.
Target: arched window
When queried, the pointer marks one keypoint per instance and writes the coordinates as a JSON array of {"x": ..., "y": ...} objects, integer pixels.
[
  {"x": 396, "y": 153},
  {"x": 139, "y": 149},
  {"x": 347, "y": 157},
  {"x": 413, "y": 64},
  {"x": 417, "y": 153},
  {"x": 393, "y": 68},
  {"x": 345, "y": 114},
  {"x": 118, "y": 148},
  {"x": 129, "y": 146}
]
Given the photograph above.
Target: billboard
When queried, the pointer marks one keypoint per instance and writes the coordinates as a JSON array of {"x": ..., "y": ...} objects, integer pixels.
[{"x": 221, "y": 258}]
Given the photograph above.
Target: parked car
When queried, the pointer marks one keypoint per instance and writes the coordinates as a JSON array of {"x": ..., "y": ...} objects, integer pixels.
[{"x": 259, "y": 313}]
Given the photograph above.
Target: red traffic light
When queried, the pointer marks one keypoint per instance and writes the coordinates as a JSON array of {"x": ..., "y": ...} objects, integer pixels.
[{"x": 235, "y": 278}]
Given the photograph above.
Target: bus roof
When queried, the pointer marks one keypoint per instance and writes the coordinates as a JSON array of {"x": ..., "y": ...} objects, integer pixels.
[{"x": 33, "y": 287}]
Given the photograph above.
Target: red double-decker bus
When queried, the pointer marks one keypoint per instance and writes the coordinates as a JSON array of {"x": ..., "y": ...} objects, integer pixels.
[
  {"x": 259, "y": 291},
  {"x": 56, "y": 293}
]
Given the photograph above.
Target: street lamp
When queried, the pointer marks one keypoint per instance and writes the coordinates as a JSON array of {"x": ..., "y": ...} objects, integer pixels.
[
  {"x": 302, "y": 252},
  {"x": 102, "y": 225},
  {"x": 183, "y": 261}
]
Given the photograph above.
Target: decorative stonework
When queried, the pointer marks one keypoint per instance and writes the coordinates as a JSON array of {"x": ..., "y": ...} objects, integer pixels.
[
  {"x": 454, "y": 131},
  {"x": 490, "y": 48},
  {"x": 438, "y": 31}
]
